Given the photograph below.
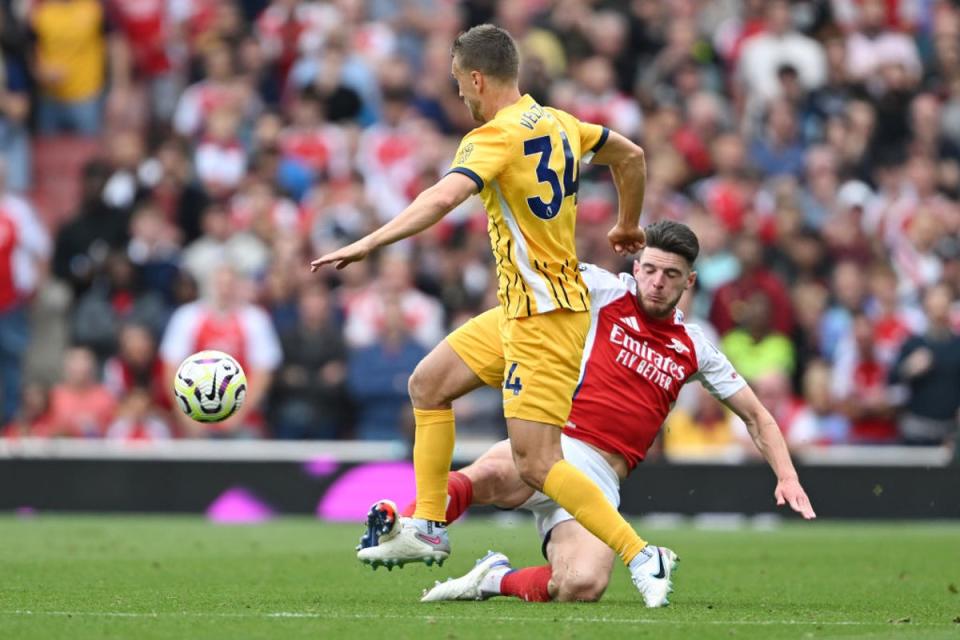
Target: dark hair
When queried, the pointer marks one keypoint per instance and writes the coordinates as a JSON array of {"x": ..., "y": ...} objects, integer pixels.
[
  {"x": 489, "y": 50},
  {"x": 673, "y": 237}
]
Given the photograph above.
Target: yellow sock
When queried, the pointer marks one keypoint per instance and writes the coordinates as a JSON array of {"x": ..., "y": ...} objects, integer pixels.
[
  {"x": 574, "y": 491},
  {"x": 432, "y": 455}
]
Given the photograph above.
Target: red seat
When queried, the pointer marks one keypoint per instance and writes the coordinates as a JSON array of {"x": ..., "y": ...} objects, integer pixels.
[{"x": 58, "y": 163}]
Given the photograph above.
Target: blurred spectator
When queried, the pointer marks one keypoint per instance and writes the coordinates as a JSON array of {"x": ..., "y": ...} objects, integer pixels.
[
  {"x": 154, "y": 249},
  {"x": 347, "y": 81},
  {"x": 226, "y": 321},
  {"x": 116, "y": 297},
  {"x": 24, "y": 250},
  {"x": 705, "y": 119},
  {"x": 319, "y": 147},
  {"x": 385, "y": 155},
  {"x": 929, "y": 140},
  {"x": 209, "y": 250},
  {"x": 137, "y": 365},
  {"x": 674, "y": 74},
  {"x": 709, "y": 430},
  {"x": 819, "y": 422},
  {"x": 14, "y": 106},
  {"x": 810, "y": 300},
  {"x": 377, "y": 377},
  {"x": 849, "y": 296},
  {"x": 874, "y": 44},
  {"x": 778, "y": 150},
  {"x": 124, "y": 153},
  {"x": 820, "y": 107},
  {"x": 288, "y": 28},
  {"x": 72, "y": 38},
  {"x": 814, "y": 147},
  {"x": 773, "y": 390},
  {"x": 842, "y": 230},
  {"x": 173, "y": 189},
  {"x": 218, "y": 90},
  {"x": 755, "y": 348},
  {"x": 221, "y": 243},
  {"x": 892, "y": 322},
  {"x": 729, "y": 301},
  {"x": 916, "y": 258},
  {"x": 83, "y": 243},
  {"x": 338, "y": 214},
  {"x": 929, "y": 366},
  {"x": 32, "y": 419},
  {"x": 367, "y": 312},
  {"x": 597, "y": 98},
  {"x": 779, "y": 44},
  {"x": 724, "y": 194},
  {"x": 220, "y": 160},
  {"x": 258, "y": 207},
  {"x": 308, "y": 396},
  {"x": 80, "y": 406},
  {"x": 860, "y": 386},
  {"x": 152, "y": 38},
  {"x": 138, "y": 419}
]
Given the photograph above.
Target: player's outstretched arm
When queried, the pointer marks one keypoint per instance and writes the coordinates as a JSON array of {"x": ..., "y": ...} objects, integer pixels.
[
  {"x": 629, "y": 169},
  {"x": 425, "y": 211},
  {"x": 766, "y": 435}
]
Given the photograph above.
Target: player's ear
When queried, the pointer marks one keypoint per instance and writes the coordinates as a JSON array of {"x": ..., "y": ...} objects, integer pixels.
[
  {"x": 636, "y": 268},
  {"x": 478, "y": 80},
  {"x": 691, "y": 279}
]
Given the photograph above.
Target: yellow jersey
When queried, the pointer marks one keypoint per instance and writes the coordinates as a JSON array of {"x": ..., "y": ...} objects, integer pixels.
[
  {"x": 71, "y": 41},
  {"x": 525, "y": 162}
]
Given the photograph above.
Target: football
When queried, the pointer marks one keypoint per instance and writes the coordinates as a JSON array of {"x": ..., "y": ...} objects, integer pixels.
[{"x": 210, "y": 386}]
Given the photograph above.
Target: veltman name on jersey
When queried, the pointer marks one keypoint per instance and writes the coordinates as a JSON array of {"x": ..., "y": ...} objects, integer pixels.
[
  {"x": 640, "y": 357},
  {"x": 530, "y": 118}
]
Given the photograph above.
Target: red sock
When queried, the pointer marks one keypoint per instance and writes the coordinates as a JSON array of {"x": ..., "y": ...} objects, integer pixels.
[
  {"x": 459, "y": 497},
  {"x": 528, "y": 584}
]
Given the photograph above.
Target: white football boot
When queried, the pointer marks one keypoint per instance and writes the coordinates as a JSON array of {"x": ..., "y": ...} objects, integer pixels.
[
  {"x": 469, "y": 586},
  {"x": 650, "y": 572},
  {"x": 392, "y": 541}
]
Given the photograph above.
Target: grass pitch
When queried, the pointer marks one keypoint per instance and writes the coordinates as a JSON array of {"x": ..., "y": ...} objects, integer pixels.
[{"x": 180, "y": 577}]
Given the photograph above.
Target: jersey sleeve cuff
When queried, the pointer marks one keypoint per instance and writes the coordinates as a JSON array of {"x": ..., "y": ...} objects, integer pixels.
[
  {"x": 470, "y": 174},
  {"x": 603, "y": 138}
]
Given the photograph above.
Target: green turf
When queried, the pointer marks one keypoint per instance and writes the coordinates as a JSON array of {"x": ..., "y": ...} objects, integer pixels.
[{"x": 163, "y": 577}]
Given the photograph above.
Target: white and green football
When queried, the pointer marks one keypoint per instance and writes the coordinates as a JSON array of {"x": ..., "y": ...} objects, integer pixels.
[{"x": 210, "y": 386}]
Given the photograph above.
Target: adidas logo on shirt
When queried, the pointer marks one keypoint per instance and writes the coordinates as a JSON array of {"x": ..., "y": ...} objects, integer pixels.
[{"x": 631, "y": 321}]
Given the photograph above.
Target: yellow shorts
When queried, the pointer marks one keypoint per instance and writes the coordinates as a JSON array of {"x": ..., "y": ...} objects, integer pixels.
[{"x": 535, "y": 360}]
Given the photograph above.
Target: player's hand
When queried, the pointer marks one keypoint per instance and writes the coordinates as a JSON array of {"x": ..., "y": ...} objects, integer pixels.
[
  {"x": 342, "y": 257},
  {"x": 626, "y": 240},
  {"x": 790, "y": 492}
]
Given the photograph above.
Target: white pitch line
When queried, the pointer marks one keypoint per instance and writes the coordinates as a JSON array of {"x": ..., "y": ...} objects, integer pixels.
[{"x": 443, "y": 618}]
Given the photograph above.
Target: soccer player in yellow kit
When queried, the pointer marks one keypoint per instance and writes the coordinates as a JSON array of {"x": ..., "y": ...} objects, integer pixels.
[{"x": 523, "y": 160}]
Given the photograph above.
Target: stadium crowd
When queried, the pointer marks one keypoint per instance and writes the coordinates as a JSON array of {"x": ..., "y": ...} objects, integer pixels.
[{"x": 215, "y": 146}]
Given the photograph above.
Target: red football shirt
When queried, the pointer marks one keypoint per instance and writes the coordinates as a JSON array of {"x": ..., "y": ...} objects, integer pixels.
[{"x": 633, "y": 367}]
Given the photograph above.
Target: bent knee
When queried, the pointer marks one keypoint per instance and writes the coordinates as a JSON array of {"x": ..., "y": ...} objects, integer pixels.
[
  {"x": 495, "y": 481},
  {"x": 534, "y": 465},
  {"x": 533, "y": 471},
  {"x": 425, "y": 390},
  {"x": 580, "y": 587}
]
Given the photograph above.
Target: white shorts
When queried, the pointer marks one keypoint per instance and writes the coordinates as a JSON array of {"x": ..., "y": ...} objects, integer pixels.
[{"x": 547, "y": 513}]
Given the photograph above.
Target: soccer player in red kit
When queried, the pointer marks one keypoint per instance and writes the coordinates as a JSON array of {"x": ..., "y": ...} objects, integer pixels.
[{"x": 638, "y": 355}]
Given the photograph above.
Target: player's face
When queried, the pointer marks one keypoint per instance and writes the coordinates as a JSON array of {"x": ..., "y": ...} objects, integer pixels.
[
  {"x": 469, "y": 93},
  {"x": 662, "y": 277}
]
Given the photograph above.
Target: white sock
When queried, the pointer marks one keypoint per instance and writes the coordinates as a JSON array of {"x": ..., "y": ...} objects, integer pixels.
[
  {"x": 428, "y": 526},
  {"x": 490, "y": 585},
  {"x": 644, "y": 556}
]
